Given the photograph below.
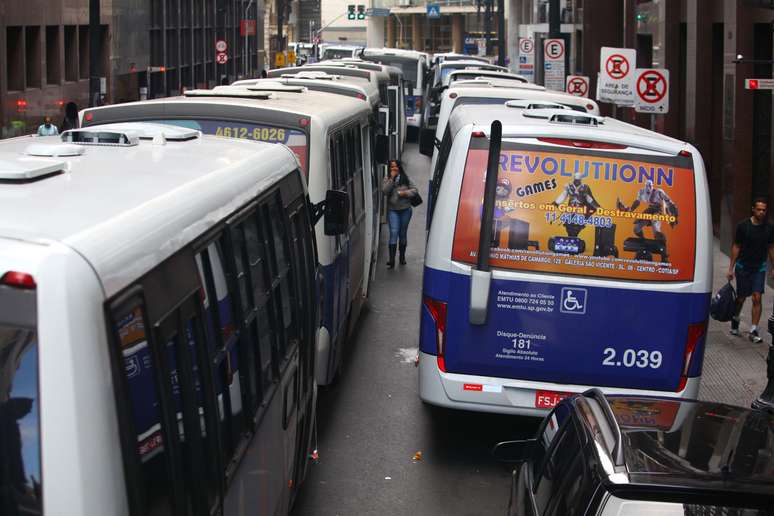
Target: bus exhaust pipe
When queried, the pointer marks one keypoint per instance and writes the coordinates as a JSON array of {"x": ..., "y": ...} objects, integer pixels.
[{"x": 481, "y": 275}]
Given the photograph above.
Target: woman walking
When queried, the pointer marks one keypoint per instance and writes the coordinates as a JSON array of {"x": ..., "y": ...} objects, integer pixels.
[{"x": 399, "y": 190}]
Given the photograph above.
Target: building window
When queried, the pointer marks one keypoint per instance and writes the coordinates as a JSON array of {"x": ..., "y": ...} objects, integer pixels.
[
  {"x": 83, "y": 51},
  {"x": 15, "y": 61},
  {"x": 53, "y": 74},
  {"x": 71, "y": 53},
  {"x": 33, "y": 56}
]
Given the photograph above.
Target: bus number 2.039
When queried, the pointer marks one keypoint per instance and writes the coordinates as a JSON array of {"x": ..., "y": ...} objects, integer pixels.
[
  {"x": 640, "y": 358},
  {"x": 521, "y": 343}
]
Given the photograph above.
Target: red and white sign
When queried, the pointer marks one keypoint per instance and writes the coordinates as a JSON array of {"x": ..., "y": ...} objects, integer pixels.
[
  {"x": 652, "y": 91},
  {"x": 759, "y": 84},
  {"x": 527, "y": 58},
  {"x": 553, "y": 64},
  {"x": 221, "y": 46},
  {"x": 221, "y": 58},
  {"x": 578, "y": 85},
  {"x": 549, "y": 399},
  {"x": 247, "y": 28},
  {"x": 617, "y": 81}
]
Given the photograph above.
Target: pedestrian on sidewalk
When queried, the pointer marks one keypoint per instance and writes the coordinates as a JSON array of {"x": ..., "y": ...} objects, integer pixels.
[
  {"x": 753, "y": 243},
  {"x": 47, "y": 128},
  {"x": 399, "y": 190}
]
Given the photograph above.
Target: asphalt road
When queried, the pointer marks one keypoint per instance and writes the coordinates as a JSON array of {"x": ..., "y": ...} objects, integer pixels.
[{"x": 371, "y": 423}]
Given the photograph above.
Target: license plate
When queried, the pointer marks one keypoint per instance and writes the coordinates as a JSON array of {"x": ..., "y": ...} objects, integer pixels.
[{"x": 549, "y": 399}]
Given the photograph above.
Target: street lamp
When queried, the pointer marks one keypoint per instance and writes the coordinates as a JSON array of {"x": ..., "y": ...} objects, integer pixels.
[{"x": 246, "y": 58}]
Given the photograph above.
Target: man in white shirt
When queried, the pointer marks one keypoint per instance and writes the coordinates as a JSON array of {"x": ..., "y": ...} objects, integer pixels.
[{"x": 47, "y": 128}]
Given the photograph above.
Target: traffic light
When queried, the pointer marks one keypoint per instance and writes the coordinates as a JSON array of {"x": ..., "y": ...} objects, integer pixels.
[
  {"x": 361, "y": 12},
  {"x": 351, "y": 12}
]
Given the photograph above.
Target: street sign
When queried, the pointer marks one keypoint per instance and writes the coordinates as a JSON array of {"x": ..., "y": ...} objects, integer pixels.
[
  {"x": 221, "y": 58},
  {"x": 247, "y": 28},
  {"x": 291, "y": 57},
  {"x": 279, "y": 59},
  {"x": 652, "y": 87},
  {"x": 578, "y": 85},
  {"x": 617, "y": 79},
  {"x": 378, "y": 12},
  {"x": 526, "y": 66},
  {"x": 221, "y": 46},
  {"x": 433, "y": 10},
  {"x": 553, "y": 64},
  {"x": 759, "y": 84}
]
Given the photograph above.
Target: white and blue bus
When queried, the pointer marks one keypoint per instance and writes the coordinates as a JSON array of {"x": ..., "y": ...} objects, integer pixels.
[
  {"x": 332, "y": 138},
  {"x": 572, "y": 251},
  {"x": 158, "y": 316},
  {"x": 415, "y": 67}
]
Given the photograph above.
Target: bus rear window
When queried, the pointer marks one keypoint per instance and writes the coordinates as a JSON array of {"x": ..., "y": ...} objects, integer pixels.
[
  {"x": 295, "y": 139},
  {"x": 21, "y": 488},
  {"x": 581, "y": 212}
]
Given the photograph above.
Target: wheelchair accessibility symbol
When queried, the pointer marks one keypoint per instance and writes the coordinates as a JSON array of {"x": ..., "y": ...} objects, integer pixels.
[{"x": 573, "y": 301}]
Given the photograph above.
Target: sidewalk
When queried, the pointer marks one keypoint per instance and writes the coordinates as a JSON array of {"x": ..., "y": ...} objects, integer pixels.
[{"x": 734, "y": 367}]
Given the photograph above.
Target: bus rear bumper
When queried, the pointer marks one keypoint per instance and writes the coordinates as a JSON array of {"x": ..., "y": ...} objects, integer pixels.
[{"x": 508, "y": 396}]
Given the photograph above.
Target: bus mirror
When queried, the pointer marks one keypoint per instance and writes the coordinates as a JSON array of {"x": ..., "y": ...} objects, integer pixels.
[
  {"x": 336, "y": 212},
  {"x": 409, "y": 88},
  {"x": 426, "y": 141},
  {"x": 382, "y": 149},
  {"x": 515, "y": 451}
]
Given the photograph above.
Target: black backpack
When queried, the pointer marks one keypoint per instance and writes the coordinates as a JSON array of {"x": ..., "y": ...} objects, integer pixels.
[{"x": 723, "y": 304}]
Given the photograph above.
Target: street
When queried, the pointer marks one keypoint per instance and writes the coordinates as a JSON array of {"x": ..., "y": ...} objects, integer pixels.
[{"x": 372, "y": 423}]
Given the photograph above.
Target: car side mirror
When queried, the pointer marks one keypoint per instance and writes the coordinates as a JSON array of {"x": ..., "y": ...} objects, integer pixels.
[
  {"x": 515, "y": 451},
  {"x": 427, "y": 141},
  {"x": 382, "y": 149},
  {"x": 336, "y": 212}
]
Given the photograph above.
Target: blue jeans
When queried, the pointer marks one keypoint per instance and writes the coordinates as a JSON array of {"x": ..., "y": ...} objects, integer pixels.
[{"x": 398, "y": 221}]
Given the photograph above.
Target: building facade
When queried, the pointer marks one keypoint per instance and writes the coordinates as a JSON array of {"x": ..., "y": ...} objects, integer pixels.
[
  {"x": 148, "y": 47},
  {"x": 700, "y": 42}
]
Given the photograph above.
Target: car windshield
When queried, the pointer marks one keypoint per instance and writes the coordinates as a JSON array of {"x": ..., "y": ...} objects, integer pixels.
[
  {"x": 20, "y": 470},
  {"x": 619, "y": 507}
]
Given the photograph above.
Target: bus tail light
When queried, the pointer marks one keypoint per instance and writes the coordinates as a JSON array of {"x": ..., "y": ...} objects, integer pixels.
[
  {"x": 20, "y": 280},
  {"x": 418, "y": 103},
  {"x": 437, "y": 311},
  {"x": 695, "y": 333}
]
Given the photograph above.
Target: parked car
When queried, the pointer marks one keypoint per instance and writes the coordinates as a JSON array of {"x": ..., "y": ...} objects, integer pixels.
[{"x": 624, "y": 455}]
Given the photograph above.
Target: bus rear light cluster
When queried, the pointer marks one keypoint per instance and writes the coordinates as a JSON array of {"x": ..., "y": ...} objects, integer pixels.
[
  {"x": 437, "y": 311},
  {"x": 20, "y": 280},
  {"x": 695, "y": 333}
]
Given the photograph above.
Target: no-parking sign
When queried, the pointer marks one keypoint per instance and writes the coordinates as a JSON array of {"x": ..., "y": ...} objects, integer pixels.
[
  {"x": 526, "y": 66},
  {"x": 578, "y": 85},
  {"x": 652, "y": 87},
  {"x": 617, "y": 70},
  {"x": 553, "y": 64}
]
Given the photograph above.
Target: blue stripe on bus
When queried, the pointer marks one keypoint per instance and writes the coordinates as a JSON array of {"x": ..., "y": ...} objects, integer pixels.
[{"x": 566, "y": 347}]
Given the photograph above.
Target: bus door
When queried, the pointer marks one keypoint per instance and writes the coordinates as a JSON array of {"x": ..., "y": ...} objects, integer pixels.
[
  {"x": 593, "y": 252},
  {"x": 395, "y": 136},
  {"x": 373, "y": 197},
  {"x": 352, "y": 152},
  {"x": 384, "y": 122},
  {"x": 305, "y": 275},
  {"x": 342, "y": 255}
]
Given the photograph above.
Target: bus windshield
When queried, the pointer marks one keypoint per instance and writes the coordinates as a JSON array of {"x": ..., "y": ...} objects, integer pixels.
[
  {"x": 583, "y": 212},
  {"x": 20, "y": 475},
  {"x": 295, "y": 139},
  {"x": 407, "y": 64}
]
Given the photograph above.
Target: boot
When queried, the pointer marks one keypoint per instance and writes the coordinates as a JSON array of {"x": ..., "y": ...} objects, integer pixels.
[
  {"x": 391, "y": 261},
  {"x": 766, "y": 400},
  {"x": 403, "y": 254}
]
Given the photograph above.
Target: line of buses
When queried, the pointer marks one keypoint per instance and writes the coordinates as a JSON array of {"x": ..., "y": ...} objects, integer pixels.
[{"x": 178, "y": 276}]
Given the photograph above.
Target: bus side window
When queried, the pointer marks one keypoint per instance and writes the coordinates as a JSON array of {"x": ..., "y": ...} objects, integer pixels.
[
  {"x": 148, "y": 463},
  {"x": 222, "y": 345},
  {"x": 248, "y": 283},
  {"x": 282, "y": 290},
  {"x": 357, "y": 171}
]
